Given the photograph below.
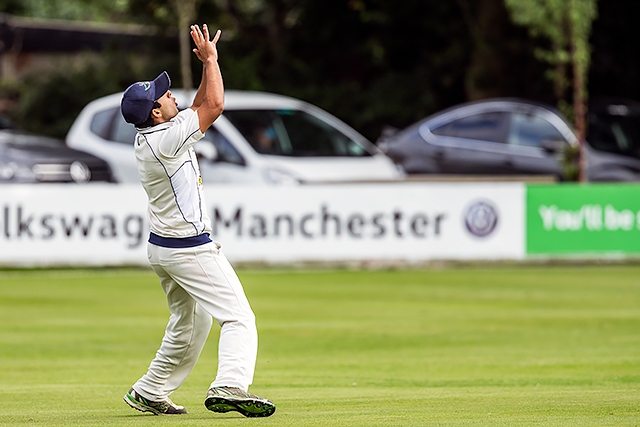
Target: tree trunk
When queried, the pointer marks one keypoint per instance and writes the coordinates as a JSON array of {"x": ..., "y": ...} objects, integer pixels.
[
  {"x": 275, "y": 32},
  {"x": 560, "y": 83},
  {"x": 186, "y": 11},
  {"x": 582, "y": 14},
  {"x": 580, "y": 112}
]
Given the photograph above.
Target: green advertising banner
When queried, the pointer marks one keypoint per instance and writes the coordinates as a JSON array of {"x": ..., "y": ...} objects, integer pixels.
[{"x": 583, "y": 219}]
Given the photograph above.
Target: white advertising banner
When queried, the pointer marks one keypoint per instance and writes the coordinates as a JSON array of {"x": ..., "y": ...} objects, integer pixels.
[{"x": 412, "y": 222}]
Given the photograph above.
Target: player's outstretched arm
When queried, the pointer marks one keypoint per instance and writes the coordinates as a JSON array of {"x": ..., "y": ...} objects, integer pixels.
[{"x": 209, "y": 99}]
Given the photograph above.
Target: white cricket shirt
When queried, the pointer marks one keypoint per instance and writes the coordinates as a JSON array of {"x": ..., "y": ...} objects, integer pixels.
[{"x": 169, "y": 172}]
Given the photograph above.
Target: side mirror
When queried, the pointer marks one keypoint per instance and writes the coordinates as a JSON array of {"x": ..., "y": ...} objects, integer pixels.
[
  {"x": 553, "y": 146},
  {"x": 205, "y": 149}
]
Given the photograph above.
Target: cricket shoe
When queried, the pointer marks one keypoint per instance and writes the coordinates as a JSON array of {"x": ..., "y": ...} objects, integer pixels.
[
  {"x": 225, "y": 399},
  {"x": 162, "y": 407}
]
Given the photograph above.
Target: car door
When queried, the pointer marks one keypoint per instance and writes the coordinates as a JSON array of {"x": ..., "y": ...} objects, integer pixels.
[
  {"x": 470, "y": 143},
  {"x": 536, "y": 145},
  {"x": 220, "y": 161},
  {"x": 111, "y": 138}
]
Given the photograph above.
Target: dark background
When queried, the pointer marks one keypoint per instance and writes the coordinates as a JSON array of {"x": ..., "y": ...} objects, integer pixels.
[{"x": 373, "y": 63}]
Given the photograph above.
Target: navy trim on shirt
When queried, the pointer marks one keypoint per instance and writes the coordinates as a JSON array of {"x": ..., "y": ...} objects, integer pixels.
[{"x": 179, "y": 242}]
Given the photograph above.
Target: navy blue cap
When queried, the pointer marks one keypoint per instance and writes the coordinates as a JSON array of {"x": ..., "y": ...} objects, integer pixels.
[{"x": 137, "y": 100}]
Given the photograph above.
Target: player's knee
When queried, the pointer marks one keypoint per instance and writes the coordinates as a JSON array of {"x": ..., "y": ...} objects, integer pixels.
[
  {"x": 247, "y": 321},
  {"x": 203, "y": 320}
]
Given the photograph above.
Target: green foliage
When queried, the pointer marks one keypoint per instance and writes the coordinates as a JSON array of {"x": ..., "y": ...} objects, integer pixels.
[
  {"x": 239, "y": 72},
  {"x": 543, "y": 17},
  {"x": 371, "y": 62},
  {"x": 566, "y": 109},
  {"x": 512, "y": 346},
  {"x": 571, "y": 154},
  {"x": 387, "y": 101},
  {"x": 546, "y": 19},
  {"x": 571, "y": 163},
  {"x": 88, "y": 10},
  {"x": 581, "y": 16},
  {"x": 50, "y": 99},
  {"x": 567, "y": 27},
  {"x": 153, "y": 12}
]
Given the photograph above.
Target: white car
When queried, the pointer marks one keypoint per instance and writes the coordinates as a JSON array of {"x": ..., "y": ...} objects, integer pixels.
[{"x": 261, "y": 138}]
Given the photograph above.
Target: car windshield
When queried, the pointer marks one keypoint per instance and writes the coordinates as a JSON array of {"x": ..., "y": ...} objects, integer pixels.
[
  {"x": 615, "y": 134},
  {"x": 293, "y": 133}
]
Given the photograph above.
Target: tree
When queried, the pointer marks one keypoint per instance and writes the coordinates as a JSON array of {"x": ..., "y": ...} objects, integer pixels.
[
  {"x": 567, "y": 26},
  {"x": 186, "y": 11},
  {"x": 497, "y": 49},
  {"x": 81, "y": 10}
]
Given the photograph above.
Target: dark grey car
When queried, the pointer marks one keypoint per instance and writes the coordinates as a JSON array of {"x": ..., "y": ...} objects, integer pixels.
[
  {"x": 27, "y": 158},
  {"x": 490, "y": 137},
  {"x": 519, "y": 137}
]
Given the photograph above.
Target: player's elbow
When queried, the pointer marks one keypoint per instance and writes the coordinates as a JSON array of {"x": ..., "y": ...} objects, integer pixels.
[
  {"x": 214, "y": 106},
  {"x": 218, "y": 107},
  {"x": 209, "y": 113},
  {"x": 216, "y": 110}
]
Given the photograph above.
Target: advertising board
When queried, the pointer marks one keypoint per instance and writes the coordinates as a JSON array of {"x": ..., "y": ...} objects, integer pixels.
[
  {"x": 583, "y": 219},
  {"x": 414, "y": 222}
]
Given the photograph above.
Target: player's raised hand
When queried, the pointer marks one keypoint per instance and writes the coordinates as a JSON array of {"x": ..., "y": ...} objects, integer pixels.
[{"x": 205, "y": 48}]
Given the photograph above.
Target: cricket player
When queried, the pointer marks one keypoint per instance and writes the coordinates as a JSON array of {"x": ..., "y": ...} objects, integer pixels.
[{"x": 199, "y": 282}]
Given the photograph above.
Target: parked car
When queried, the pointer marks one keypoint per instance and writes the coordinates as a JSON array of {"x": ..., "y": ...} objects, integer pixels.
[
  {"x": 490, "y": 137},
  {"x": 514, "y": 137},
  {"x": 614, "y": 140},
  {"x": 28, "y": 158},
  {"x": 261, "y": 138}
]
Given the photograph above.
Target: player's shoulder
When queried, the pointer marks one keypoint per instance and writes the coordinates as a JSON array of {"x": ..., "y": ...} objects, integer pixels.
[{"x": 184, "y": 115}]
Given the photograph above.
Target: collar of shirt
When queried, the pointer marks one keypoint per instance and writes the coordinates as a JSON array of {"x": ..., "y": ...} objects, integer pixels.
[{"x": 156, "y": 128}]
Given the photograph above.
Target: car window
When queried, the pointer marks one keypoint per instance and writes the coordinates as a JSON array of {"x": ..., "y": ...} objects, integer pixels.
[
  {"x": 226, "y": 151},
  {"x": 122, "y": 131},
  {"x": 485, "y": 127},
  {"x": 293, "y": 133},
  {"x": 110, "y": 125},
  {"x": 531, "y": 131},
  {"x": 101, "y": 122}
]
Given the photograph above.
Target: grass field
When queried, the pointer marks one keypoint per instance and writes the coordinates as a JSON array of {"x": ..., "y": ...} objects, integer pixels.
[{"x": 503, "y": 346}]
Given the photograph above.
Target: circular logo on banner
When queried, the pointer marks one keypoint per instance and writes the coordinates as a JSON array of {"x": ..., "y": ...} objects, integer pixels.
[{"x": 481, "y": 218}]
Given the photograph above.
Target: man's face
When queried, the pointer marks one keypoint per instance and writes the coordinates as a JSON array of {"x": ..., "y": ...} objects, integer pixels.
[{"x": 168, "y": 106}]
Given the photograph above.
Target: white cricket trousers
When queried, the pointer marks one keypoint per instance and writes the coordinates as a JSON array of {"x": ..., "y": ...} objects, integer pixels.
[{"x": 200, "y": 285}]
